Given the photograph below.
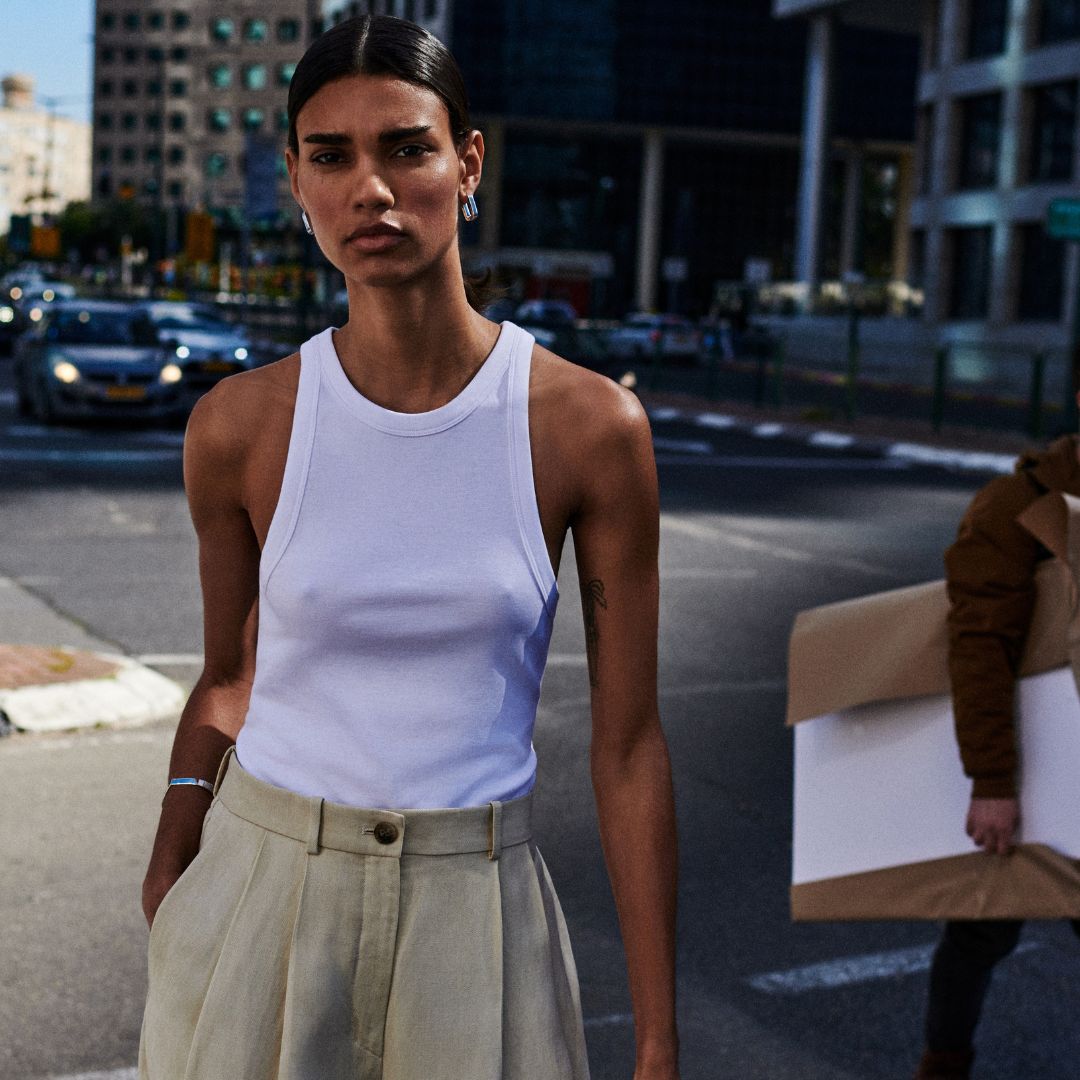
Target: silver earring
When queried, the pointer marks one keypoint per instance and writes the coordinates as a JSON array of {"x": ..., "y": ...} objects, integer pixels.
[
  {"x": 468, "y": 209},
  {"x": 307, "y": 224}
]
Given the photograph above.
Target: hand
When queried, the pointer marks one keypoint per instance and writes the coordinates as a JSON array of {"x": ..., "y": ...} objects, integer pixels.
[
  {"x": 155, "y": 885},
  {"x": 992, "y": 824}
]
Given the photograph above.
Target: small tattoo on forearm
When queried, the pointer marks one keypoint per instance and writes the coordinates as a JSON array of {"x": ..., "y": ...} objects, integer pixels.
[{"x": 592, "y": 597}]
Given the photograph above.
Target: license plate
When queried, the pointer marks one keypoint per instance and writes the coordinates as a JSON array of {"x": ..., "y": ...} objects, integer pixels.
[
  {"x": 217, "y": 365},
  {"x": 125, "y": 393}
]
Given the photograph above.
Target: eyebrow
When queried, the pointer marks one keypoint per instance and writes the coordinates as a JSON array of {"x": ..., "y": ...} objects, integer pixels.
[{"x": 391, "y": 135}]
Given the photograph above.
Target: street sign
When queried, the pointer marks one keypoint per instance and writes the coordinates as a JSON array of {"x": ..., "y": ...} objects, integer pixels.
[
  {"x": 1063, "y": 219},
  {"x": 45, "y": 241},
  {"x": 199, "y": 237}
]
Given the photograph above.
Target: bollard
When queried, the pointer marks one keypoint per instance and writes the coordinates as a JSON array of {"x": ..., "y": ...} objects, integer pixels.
[
  {"x": 1035, "y": 400},
  {"x": 941, "y": 374},
  {"x": 779, "y": 350},
  {"x": 851, "y": 383}
]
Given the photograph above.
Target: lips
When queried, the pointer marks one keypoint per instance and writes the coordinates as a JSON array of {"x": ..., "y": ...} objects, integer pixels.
[{"x": 382, "y": 229}]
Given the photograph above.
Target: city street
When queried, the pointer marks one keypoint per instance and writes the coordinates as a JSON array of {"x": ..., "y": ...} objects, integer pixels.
[{"x": 754, "y": 529}]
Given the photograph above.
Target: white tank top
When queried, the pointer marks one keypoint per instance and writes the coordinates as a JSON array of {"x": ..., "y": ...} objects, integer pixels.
[{"x": 406, "y": 596}]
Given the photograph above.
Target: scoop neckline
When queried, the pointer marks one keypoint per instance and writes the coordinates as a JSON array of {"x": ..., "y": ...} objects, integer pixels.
[{"x": 419, "y": 423}]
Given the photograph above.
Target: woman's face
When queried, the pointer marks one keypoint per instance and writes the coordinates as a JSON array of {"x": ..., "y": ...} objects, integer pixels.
[{"x": 380, "y": 177}]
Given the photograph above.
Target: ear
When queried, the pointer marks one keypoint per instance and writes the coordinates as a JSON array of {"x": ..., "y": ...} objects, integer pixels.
[
  {"x": 472, "y": 163},
  {"x": 292, "y": 162}
]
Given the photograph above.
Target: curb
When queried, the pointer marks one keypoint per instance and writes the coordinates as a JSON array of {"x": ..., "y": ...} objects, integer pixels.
[
  {"x": 913, "y": 453},
  {"x": 132, "y": 694}
]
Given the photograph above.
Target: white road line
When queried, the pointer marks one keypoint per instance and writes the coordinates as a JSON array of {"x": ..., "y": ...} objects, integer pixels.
[
  {"x": 685, "y": 446},
  {"x": 722, "y": 461},
  {"x": 182, "y": 659},
  {"x": 956, "y": 459},
  {"x": 715, "y": 420},
  {"x": 567, "y": 660},
  {"x": 664, "y": 412},
  {"x": 8, "y": 397},
  {"x": 610, "y": 1019},
  {"x": 87, "y": 457},
  {"x": 834, "y": 440},
  {"x": 111, "y": 1074},
  {"x": 851, "y": 970},
  {"x": 768, "y": 431}
]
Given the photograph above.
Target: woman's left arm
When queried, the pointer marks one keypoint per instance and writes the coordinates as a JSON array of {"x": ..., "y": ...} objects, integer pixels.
[{"x": 616, "y": 537}]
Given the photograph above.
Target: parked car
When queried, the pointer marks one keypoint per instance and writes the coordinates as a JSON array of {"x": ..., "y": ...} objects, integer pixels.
[
  {"x": 545, "y": 313},
  {"x": 95, "y": 358},
  {"x": 12, "y": 324},
  {"x": 581, "y": 346},
  {"x": 640, "y": 334},
  {"x": 205, "y": 347}
]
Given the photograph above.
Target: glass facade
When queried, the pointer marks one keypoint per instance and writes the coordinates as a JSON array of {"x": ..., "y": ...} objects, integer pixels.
[
  {"x": 970, "y": 250},
  {"x": 255, "y": 76},
  {"x": 220, "y": 76},
  {"x": 1042, "y": 274},
  {"x": 987, "y": 23},
  {"x": 1053, "y": 131},
  {"x": 980, "y": 140},
  {"x": 1059, "y": 20},
  {"x": 222, "y": 29}
]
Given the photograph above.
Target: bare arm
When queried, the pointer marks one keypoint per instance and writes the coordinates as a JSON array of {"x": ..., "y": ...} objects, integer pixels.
[
  {"x": 616, "y": 536},
  {"x": 228, "y": 570}
]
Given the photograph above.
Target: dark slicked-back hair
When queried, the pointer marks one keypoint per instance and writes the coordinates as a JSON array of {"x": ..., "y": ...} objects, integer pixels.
[{"x": 380, "y": 45}]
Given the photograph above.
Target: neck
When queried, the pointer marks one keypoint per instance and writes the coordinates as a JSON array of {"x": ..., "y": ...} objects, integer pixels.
[{"x": 413, "y": 347}]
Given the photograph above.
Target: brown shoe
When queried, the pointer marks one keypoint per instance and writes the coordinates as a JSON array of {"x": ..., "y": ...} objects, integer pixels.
[{"x": 945, "y": 1065}]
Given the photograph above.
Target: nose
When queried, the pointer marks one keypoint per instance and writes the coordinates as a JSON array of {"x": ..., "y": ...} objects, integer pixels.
[{"x": 371, "y": 190}]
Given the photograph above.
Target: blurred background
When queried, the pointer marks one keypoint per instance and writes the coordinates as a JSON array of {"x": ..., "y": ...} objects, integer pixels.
[{"x": 857, "y": 204}]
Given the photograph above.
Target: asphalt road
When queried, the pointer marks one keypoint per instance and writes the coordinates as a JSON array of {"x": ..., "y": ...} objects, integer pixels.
[{"x": 754, "y": 529}]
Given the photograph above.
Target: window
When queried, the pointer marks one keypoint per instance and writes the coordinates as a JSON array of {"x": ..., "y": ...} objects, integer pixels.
[
  {"x": 255, "y": 76},
  {"x": 153, "y": 88},
  {"x": 221, "y": 76},
  {"x": 925, "y": 136},
  {"x": 216, "y": 165},
  {"x": 177, "y": 121},
  {"x": 108, "y": 55},
  {"x": 280, "y": 168},
  {"x": 156, "y": 20},
  {"x": 152, "y": 120},
  {"x": 256, "y": 30},
  {"x": 218, "y": 119},
  {"x": 176, "y": 155},
  {"x": 970, "y": 293},
  {"x": 155, "y": 55},
  {"x": 129, "y": 121},
  {"x": 105, "y": 88},
  {"x": 108, "y": 21},
  {"x": 980, "y": 138},
  {"x": 221, "y": 29},
  {"x": 104, "y": 155},
  {"x": 131, "y": 20},
  {"x": 105, "y": 121},
  {"x": 178, "y": 88},
  {"x": 181, "y": 20},
  {"x": 150, "y": 187},
  {"x": 104, "y": 186},
  {"x": 283, "y": 120},
  {"x": 253, "y": 119},
  {"x": 127, "y": 154},
  {"x": 178, "y": 54},
  {"x": 152, "y": 154},
  {"x": 1042, "y": 274},
  {"x": 1052, "y": 128},
  {"x": 988, "y": 21},
  {"x": 285, "y": 74},
  {"x": 129, "y": 88},
  {"x": 288, "y": 30},
  {"x": 131, "y": 56},
  {"x": 1059, "y": 20},
  {"x": 176, "y": 189},
  {"x": 917, "y": 259}
]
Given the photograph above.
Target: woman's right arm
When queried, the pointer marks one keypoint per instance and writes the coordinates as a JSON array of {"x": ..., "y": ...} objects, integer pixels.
[{"x": 214, "y": 456}]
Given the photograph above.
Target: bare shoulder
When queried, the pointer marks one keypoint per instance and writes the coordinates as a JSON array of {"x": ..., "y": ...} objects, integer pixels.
[{"x": 593, "y": 412}]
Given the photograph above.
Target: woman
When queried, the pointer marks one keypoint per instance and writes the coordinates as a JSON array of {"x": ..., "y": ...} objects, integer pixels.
[{"x": 383, "y": 515}]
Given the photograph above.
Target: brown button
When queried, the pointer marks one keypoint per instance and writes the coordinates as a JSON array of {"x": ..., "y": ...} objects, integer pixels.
[{"x": 385, "y": 832}]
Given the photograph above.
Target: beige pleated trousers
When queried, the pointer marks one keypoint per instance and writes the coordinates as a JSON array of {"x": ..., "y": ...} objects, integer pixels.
[{"x": 313, "y": 941}]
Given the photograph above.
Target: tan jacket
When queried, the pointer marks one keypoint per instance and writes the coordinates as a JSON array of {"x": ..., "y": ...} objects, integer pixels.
[{"x": 990, "y": 572}]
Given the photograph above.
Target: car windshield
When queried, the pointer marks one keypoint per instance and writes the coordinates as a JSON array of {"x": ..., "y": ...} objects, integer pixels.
[
  {"x": 190, "y": 319},
  {"x": 87, "y": 327}
]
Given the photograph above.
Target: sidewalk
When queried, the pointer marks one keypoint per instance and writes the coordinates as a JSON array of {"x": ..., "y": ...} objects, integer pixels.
[{"x": 75, "y": 680}]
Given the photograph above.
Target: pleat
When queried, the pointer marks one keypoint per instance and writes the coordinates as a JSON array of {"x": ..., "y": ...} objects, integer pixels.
[
  {"x": 318, "y": 1031},
  {"x": 444, "y": 1015},
  {"x": 543, "y": 1036},
  {"x": 238, "y": 1031}
]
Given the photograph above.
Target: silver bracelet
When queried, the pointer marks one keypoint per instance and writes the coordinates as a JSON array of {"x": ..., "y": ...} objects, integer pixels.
[{"x": 205, "y": 784}]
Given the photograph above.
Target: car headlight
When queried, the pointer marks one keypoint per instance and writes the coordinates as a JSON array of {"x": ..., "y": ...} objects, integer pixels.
[
  {"x": 48, "y": 296},
  {"x": 7, "y": 314},
  {"x": 241, "y": 353},
  {"x": 183, "y": 352},
  {"x": 16, "y": 293},
  {"x": 36, "y": 314},
  {"x": 171, "y": 373},
  {"x": 66, "y": 372}
]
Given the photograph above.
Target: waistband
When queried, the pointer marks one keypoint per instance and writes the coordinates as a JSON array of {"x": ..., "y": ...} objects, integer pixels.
[{"x": 322, "y": 824}]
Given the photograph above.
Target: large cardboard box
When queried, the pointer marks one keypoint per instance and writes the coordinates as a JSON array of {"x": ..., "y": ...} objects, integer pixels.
[{"x": 880, "y": 795}]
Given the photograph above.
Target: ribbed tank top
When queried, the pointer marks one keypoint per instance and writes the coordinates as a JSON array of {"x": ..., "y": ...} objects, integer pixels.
[{"x": 406, "y": 596}]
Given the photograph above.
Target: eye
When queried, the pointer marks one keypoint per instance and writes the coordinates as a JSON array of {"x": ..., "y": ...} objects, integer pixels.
[
  {"x": 412, "y": 150},
  {"x": 318, "y": 159}
]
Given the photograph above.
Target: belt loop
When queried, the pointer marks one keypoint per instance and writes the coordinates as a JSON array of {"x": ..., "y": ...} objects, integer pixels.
[
  {"x": 314, "y": 826},
  {"x": 223, "y": 766},
  {"x": 495, "y": 831}
]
